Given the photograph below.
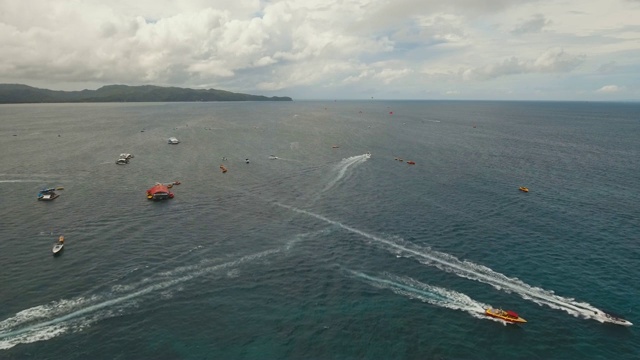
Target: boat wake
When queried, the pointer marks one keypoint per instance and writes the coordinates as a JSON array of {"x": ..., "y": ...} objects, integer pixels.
[
  {"x": 472, "y": 271},
  {"x": 344, "y": 165},
  {"x": 433, "y": 295},
  {"x": 19, "y": 181},
  {"x": 47, "y": 321}
]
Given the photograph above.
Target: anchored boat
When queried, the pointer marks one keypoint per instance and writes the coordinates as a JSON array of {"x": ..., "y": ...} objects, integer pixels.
[
  {"x": 47, "y": 194},
  {"x": 159, "y": 192},
  {"x": 57, "y": 247}
]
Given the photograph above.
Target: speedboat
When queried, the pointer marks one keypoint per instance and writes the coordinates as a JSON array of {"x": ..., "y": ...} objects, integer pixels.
[
  {"x": 47, "y": 194},
  {"x": 614, "y": 318},
  {"x": 159, "y": 192},
  {"x": 122, "y": 161},
  {"x": 272, "y": 157},
  {"x": 524, "y": 189},
  {"x": 126, "y": 156},
  {"x": 411, "y": 162},
  {"x": 57, "y": 247},
  {"x": 506, "y": 315},
  {"x": 224, "y": 169},
  {"x": 173, "y": 140}
]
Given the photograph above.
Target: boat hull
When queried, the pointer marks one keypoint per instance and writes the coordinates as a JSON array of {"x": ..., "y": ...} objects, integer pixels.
[
  {"x": 48, "y": 197},
  {"x": 57, "y": 249},
  {"x": 504, "y": 315}
]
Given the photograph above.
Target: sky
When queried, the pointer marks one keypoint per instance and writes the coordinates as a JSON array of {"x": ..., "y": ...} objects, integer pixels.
[{"x": 583, "y": 50}]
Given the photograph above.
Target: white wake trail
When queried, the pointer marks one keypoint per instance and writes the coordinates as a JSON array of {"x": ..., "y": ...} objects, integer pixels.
[
  {"x": 434, "y": 295},
  {"x": 343, "y": 166},
  {"x": 47, "y": 321},
  {"x": 472, "y": 271}
]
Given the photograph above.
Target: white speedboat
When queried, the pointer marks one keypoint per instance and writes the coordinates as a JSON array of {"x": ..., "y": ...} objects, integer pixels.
[
  {"x": 57, "y": 247},
  {"x": 272, "y": 157},
  {"x": 614, "y": 318},
  {"x": 173, "y": 140},
  {"x": 122, "y": 161}
]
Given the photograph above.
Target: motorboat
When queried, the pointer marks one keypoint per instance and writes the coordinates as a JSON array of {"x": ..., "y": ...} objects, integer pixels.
[
  {"x": 613, "y": 318},
  {"x": 126, "y": 156},
  {"x": 173, "y": 140},
  {"x": 246, "y": 161},
  {"x": 506, "y": 315},
  {"x": 122, "y": 161},
  {"x": 57, "y": 247},
  {"x": 411, "y": 162},
  {"x": 224, "y": 169},
  {"x": 272, "y": 157},
  {"x": 47, "y": 194},
  {"x": 159, "y": 192},
  {"x": 524, "y": 189}
]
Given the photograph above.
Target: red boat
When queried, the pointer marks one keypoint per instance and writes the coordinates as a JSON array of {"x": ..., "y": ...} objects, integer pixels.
[
  {"x": 159, "y": 192},
  {"x": 508, "y": 315}
]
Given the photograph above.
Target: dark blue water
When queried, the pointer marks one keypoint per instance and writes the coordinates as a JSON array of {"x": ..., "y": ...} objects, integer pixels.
[{"x": 325, "y": 252}]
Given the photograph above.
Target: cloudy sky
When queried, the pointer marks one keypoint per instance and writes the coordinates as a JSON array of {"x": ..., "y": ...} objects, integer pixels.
[{"x": 330, "y": 49}]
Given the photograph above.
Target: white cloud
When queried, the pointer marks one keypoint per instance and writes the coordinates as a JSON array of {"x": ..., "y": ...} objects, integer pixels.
[
  {"x": 609, "y": 89},
  {"x": 409, "y": 47},
  {"x": 551, "y": 61}
]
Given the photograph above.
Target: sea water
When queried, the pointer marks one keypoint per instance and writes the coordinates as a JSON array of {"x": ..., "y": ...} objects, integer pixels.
[{"x": 337, "y": 249}]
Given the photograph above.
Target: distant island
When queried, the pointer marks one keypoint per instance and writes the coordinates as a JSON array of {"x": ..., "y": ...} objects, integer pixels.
[{"x": 20, "y": 94}]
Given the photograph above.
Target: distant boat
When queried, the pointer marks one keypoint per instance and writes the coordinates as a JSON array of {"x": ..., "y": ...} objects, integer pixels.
[
  {"x": 57, "y": 247},
  {"x": 224, "y": 169},
  {"x": 524, "y": 189},
  {"x": 159, "y": 192},
  {"x": 411, "y": 162},
  {"x": 173, "y": 140},
  {"x": 47, "y": 194},
  {"x": 272, "y": 157}
]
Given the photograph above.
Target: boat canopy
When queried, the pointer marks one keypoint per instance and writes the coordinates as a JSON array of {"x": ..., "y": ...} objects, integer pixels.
[{"x": 512, "y": 314}]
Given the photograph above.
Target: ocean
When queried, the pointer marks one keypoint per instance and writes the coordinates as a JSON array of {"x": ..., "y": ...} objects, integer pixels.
[{"x": 337, "y": 249}]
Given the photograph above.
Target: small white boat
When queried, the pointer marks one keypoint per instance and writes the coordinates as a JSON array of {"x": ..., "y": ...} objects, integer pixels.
[
  {"x": 173, "y": 140},
  {"x": 122, "y": 161},
  {"x": 57, "y": 247},
  {"x": 272, "y": 157},
  {"x": 614, "y": 318}
]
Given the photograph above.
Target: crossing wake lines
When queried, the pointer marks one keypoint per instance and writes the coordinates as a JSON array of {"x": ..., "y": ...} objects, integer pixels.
[{"x": 472, "y": 271}]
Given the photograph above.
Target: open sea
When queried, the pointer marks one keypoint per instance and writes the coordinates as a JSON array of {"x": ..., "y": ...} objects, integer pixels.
[{"x": 334, "y": 250}]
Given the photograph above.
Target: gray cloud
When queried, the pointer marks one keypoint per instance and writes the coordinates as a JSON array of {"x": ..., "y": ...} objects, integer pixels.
[
  {"x": 533, "y": 25},
  {"x": 551, "y": 61}
]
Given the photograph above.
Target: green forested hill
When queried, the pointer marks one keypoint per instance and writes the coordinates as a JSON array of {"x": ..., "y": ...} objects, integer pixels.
[{"x": 17, "y": 93}]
